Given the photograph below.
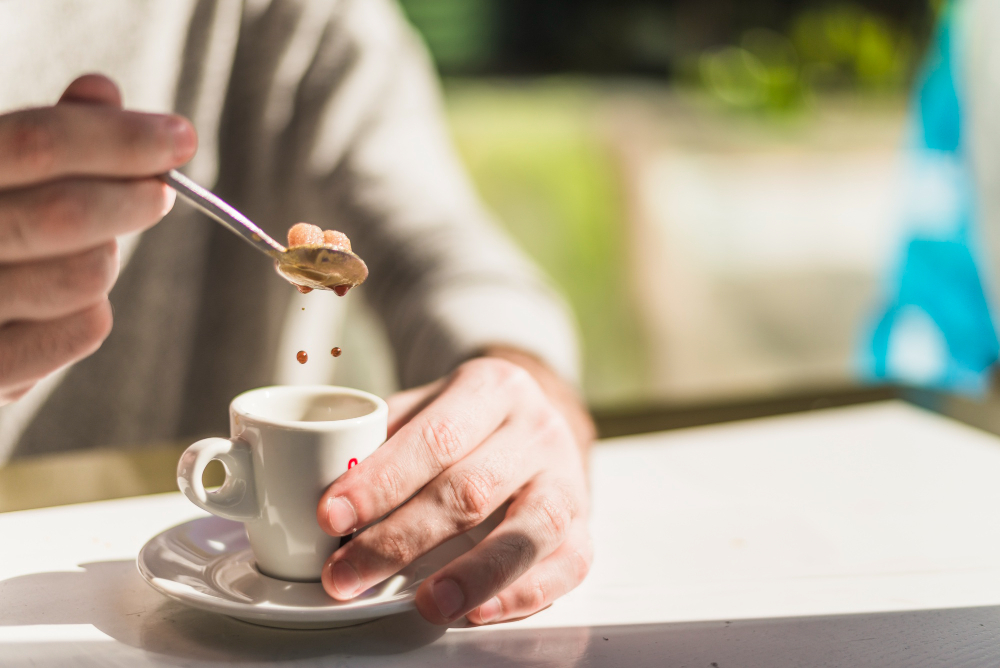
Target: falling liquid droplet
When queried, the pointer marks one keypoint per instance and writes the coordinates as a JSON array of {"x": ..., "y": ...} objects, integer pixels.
[
  {"x": 302, "y": 357},
  {"x": 336, "y": 352}
]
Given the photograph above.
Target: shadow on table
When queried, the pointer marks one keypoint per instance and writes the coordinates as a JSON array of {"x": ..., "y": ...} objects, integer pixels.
[{"x": 112, "y": 596}]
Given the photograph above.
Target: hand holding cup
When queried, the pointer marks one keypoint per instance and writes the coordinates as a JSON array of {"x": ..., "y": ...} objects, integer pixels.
[{"x": 458, "y": 450}]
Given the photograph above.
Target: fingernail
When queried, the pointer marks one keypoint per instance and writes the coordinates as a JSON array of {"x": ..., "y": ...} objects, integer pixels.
[
  {"x": 448, "y": 598},
  {"x": 345, "y": 578},
  {"x": 183, "y": 136},
  {"x": 490, "y": 610},
  {"x": 170, "y": 195},
  {"x": 341, "y": 515}
]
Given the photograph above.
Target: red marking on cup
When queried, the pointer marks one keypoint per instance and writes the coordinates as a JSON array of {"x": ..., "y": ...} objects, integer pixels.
[{"x": 351, "y": 463}]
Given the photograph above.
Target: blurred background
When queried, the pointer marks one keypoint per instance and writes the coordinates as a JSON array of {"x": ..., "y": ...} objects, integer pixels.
[{"x": 713, "y": 183}]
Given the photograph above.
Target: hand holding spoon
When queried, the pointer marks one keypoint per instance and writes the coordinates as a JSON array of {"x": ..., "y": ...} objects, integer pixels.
[{"x": 312, "y": 266}]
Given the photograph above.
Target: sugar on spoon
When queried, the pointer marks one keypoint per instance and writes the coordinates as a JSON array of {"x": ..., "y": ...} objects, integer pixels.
[{"x": 319, "y": 267}]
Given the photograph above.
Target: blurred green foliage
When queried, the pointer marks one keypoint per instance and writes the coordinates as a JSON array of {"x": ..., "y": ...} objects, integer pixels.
[
  {"x": 864, "y": 40},
  {"x": 459, "y": 33},
  {"x": 749, "y": 54},
  {"x": 837, "y": 48},
  {"x": 533, "y": 152}
]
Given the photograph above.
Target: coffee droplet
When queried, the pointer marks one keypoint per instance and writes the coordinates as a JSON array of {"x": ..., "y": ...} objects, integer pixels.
[
  {"x": 302, "y": 357},
  {"x": 336, "y": 352},
  {"x": 341, "y": 290}
]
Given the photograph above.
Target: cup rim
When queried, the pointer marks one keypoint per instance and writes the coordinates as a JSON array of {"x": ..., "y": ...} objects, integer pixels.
[{"x": 237, "y": 408}]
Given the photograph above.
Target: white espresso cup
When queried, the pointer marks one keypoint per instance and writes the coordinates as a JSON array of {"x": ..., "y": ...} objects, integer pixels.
[{"x": 288, "y": 444}]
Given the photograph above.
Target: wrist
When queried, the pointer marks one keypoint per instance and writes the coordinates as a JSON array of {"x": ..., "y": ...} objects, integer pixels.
[{"x": 563, "y": 395}]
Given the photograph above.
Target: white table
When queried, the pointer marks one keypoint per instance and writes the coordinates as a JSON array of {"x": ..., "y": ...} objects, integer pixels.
[{"x": 730, "y": 544}]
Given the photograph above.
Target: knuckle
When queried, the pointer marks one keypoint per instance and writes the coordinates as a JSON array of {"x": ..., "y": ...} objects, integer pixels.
[
  {"x": 31, "y": 142},
  {"x": 15, "y": 236},
  {"x": 444, "y": 440},
  {"x": 514, "y": 375},
  {"x": 534, "y": 596},
  {"x": 64, "y": 209},
  {"x": 494, "y": 372},
  {"x": 550, "y": 427},
  {"x": 387, "y": 480},
  {"x": 554, "y": 514},
  {"x": 477, "y": 367},
  {"x": 136, "y": 139},
  {"x": 94, "y": 272},
  {"x": 145, "y": 140},
  {"x": 149, "y": 197},
  {"x": 471, "y": 495},
  {"x": 582, "y": 560},
  {"x": 505, "y": 373},
  {"x": 155, "y": 198},
  {"x": 395, "y": 546},
  {"x": 94, "y": 327},
  {"x": 47, "y": 346}
]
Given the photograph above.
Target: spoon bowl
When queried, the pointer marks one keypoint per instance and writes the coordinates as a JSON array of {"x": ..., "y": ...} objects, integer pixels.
[
  {"x": 313, "y": 267},
  {"x": 320, "y": 267}
]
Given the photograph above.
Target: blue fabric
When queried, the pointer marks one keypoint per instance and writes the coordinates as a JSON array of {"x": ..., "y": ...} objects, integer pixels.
[
  {"x": 939, "y": 112},
  {"x": 938, "y": 275}
]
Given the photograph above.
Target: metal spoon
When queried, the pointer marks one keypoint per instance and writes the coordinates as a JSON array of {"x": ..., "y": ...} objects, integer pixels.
[{"x": 316, "y": 267}]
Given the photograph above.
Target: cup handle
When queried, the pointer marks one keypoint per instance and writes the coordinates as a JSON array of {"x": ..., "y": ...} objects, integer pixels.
[{"x": 236, "y": 499}]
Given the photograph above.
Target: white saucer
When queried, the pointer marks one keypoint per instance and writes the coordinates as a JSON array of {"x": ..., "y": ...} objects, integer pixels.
[{"x": 207, "y": 564}]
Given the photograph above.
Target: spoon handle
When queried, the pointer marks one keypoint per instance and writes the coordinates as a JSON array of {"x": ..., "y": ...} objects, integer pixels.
[{"x": 221, "y": 211}]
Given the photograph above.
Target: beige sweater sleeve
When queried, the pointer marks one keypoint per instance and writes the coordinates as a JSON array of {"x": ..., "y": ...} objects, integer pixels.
[{"x": 371, "y": 156}]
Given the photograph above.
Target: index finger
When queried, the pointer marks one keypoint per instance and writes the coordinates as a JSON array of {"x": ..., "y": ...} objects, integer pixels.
[
  {"x": 475, "y": 402},
  {"x": 47, "y": 143}
]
